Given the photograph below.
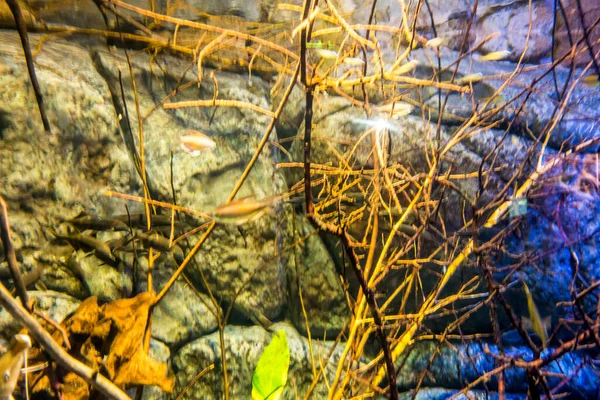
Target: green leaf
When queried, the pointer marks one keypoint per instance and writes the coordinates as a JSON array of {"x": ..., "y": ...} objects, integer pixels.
[{"x": 271, "y": 372}]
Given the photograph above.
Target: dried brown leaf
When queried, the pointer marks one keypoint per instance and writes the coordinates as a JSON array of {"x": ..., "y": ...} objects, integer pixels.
[
  {"x": 42, "y": 384},
  {"x": 85, "y": 318},
  {"x": 91, "y": 355},
  {"x": 142, "y": 370},
  {"x": 121, "y": 326},
  {"x": 75, "y": 388},
  {"x": 129, "y": 318}
]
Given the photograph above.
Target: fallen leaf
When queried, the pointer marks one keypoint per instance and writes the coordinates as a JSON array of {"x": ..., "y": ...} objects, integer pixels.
[
  {"x": 271, "y": 371},
  {"x": 118, "y": 326},
  {"x": 85, "y": 318},
  {"x": 75, "y": 388}
]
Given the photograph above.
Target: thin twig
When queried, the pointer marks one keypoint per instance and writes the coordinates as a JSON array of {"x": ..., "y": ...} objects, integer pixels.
[
  {"x": 309, "y": 88},
  {"x": 11, "y": 258},
  {"x": 371, "y": 301},
  {"x": 22, "y": 28}
]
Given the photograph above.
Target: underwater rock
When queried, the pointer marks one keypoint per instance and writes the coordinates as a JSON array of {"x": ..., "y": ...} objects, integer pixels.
[
  {"x": 578, "y": 120},
  {"x": 559, "y": 239},
  {"x": 236, "y": 262},
  {"x": 244, "y": 347},
  {"x": 469, "y": 362},
  {"x": 451, "y": 21},
  {"x": 54, "y": 305},
  {"x": 511, "y": 20},
  {"x": 433, "y": 393},
  {"x": 183, "y": 314},
  {"x": 563, "y": 45},
  {"x": 292, "y": 114},
  {"x": 104, "y": 281},
  {"x": 316, "y": 277},
  {"x": 55, "y": 177},
  {"x": 87, "y": 15},
  {"x": 510, "y": 152}
]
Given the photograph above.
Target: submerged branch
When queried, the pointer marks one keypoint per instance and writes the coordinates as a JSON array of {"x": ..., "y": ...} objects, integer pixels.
[
  {"x": 22, "y": 28},
  {"x": 11, "y": 258}
]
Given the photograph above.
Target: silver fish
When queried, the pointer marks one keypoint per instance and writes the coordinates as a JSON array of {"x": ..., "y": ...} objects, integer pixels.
[
  {"x": 195, "y": 142},
  {"x": 88, "y": 243},
  {"x": 326, "y": 54},
  {"x": 406, "y": 68},
  {"x": 436, "y": 42},
  {"x": 354, "y": 61},
  {"x": 242, "y": 207},
  {"x": 99, "y": 224},
  {"x": 471, "y": 78}
]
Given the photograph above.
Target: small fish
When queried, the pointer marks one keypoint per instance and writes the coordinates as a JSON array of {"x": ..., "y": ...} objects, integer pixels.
[
  {"x": 100, "y": 224},
  {"x": 538, "y": 325},
  {"x": 397, "y": 109},
  {"x": 140, "y": 220},
  {"x": 161, "y": 243},
  {"x": 406, "y": 68},
  {"x": 88, "y": 243},
  {"x": 471, "y": 78},
  {"x": 242, "y": 208},
  {"x": 326, "y": 54},
  {"x": 259, "y": 319},
  {"x": 73, "y": 264},
  {"x": 436, "y": 42},
  {"x": 591, "y": 80},
  {"x": 354, "y": 61},
  {"x": 495, "y": 56},
  {"x": 74, "y": 267},
  {"x": 195, "y": 142},
  {"x": 11, "y": 363},
  {"x": 40, "y": 286}
]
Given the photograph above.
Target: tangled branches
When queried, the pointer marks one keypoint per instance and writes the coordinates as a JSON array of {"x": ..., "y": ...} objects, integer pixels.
[{"x": 429, "y": 168}]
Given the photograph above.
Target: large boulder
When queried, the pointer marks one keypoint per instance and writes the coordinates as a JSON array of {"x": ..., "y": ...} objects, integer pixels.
[
  {"x": 244, "y": 346},
  {"x": 589, "y": 13},
  {"x": 445, "y": 365}
]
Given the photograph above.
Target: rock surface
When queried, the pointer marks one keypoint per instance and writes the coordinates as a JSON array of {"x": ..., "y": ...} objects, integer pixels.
[
  {"x": 465, "y": 369},
  {"x": 54, "y": 305},
  {"x": 315, "y": 276},
  {"x": 57, "y": 176},
  {"x": 183, "y": 314},
  {"x": 527, "y": 102},
  {"x": 236, "y": 262},
  {"x": 232, "y": 256},
  {"x": 563, "y": 44},
  {"x": 244, "y": 347}
]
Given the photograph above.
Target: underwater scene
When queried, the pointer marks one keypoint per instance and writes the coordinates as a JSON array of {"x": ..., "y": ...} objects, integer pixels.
[{"x": 299, "y": 199}]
